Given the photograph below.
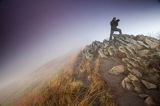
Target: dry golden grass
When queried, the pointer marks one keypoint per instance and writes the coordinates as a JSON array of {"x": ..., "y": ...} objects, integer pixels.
[
  {"x": 66, "y": 91},
  {"x": 86, "y": 65},
  {"x": 97, "y": 93}
]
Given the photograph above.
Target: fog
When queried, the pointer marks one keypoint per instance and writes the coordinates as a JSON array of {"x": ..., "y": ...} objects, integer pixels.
[{"x": 69, "y": 28}]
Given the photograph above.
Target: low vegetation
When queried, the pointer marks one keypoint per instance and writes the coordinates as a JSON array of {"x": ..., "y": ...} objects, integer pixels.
[{"x": 66, "y": 90}]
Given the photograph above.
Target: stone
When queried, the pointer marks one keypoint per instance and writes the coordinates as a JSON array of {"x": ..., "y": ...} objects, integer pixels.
[
  {"x": 138, "y": 60},
  {"x": 143, "y": 96},
  {"x": 129, "y": 67},
  {"x": 124, "y": 81},
  {"x": 125, "y": 60},
  {"x": 111, "y": 51},
  {"x": 143, "y": 53},
  {"x": 129, "y": 50},
  {"x": 89, "y": 56},
  {"x": 116, "y": 70},
  {"x": 122, "y": 49},
  {"x": 149, "y": 101},
  {"x": 135, "y": 72},
  {"x": 132, "y": 83},
  {"x": 157, "y": 54},
  {"x": 101, "y": 53},
  {"x": 137, "y": 86},
  {"x": 127, "y": 84},
  {"x": 138, "y": 90},
  {"x": 141, "y": 45},
  {"x": 89, "y": 53},
  {"x": 105, "y": 43},
  {"x": 123, "y": 84},
  {"x": 122, "y": 42},
  {"x": 131, "y": 62},
  {"x": 149, "y": 85},
  {"x": 153, "y": 77},
  {"x": 96, "y": 44},
  {"x": 132, "y": 77},
  {"x": 130, "y": 40},
  {"x": 132, "y": 47},
  {"x": 151, "y": 43}
]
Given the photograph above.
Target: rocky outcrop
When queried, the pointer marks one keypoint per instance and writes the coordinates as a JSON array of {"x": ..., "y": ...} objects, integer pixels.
[
  {"x": 90, "y": 51},
  {"x": 141, "y": 58}
]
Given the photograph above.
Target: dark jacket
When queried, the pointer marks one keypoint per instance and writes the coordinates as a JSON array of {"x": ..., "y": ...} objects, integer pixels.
[{"x": 114, "y": 24}]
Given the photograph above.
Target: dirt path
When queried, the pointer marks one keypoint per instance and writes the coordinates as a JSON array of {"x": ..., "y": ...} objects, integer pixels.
[{"x": 122, "y": 96}]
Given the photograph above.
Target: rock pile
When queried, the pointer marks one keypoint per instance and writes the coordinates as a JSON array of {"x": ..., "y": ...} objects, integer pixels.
[{"x": 141, "y": 58}]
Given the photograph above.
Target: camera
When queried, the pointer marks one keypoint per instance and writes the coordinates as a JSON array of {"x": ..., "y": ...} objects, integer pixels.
[{"x": 118, "y": 20}]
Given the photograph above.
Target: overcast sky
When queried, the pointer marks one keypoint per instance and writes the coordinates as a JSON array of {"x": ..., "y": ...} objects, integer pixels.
[{"x": 35, "y": 31}]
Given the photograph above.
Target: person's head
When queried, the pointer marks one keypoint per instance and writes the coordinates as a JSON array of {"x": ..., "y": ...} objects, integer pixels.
[{"x": 114, "y": 18}]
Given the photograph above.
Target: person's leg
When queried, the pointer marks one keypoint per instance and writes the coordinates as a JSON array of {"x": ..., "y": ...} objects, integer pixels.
[
  {"x": 111, "y": 33},
  {"x": 119, "y": 30}
]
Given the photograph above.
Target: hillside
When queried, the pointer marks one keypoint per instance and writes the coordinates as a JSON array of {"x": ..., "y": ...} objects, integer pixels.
[
  {"x": 37, "y": 79},
  {"x": 122, "y": 72}
]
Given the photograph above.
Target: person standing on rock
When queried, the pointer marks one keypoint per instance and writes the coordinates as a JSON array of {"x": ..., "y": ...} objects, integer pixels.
[{"x": 114, "y": 24}]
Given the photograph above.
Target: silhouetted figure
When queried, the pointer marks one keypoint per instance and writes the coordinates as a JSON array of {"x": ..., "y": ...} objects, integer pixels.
[{"x": 114, "y": 24}]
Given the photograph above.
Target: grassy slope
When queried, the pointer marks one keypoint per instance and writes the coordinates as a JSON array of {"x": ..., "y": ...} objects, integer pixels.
[
  {"x": 36, "y": 80},
  {"x": 71, "y": 89}
]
